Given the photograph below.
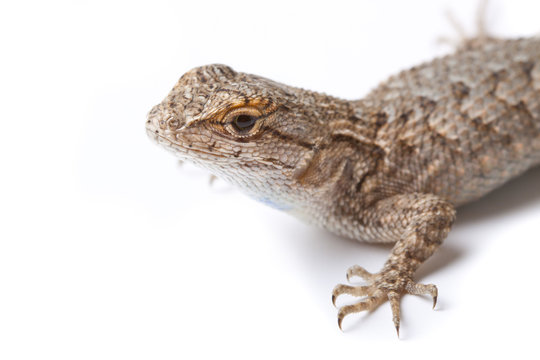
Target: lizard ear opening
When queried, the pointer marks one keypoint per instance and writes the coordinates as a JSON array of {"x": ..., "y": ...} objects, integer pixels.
[{"x": 243, "y": 122}]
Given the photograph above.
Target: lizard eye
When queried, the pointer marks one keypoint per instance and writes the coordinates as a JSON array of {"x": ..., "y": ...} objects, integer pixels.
[{"x": 244, "y": 123}]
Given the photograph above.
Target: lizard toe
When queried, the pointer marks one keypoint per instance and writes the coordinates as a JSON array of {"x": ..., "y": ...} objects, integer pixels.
[
  {"x": 388, "y": 284},
  {"x": 350, "y": 290},
  {"x": 368, "y": 304},
  {"x": 359, "y": 271}
]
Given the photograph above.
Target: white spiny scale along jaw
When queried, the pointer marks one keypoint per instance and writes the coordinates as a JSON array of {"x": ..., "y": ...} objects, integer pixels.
[{"x": 248, "y": 130}]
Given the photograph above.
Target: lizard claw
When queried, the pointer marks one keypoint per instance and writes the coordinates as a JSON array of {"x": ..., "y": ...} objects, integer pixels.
[
  {"x": 359, "y": 271},
  {"x": 351, "y": 290},
  {"x": 386, "y": 285},
  {"x": 423, "y": 289},
  {"x": 368, "y": 304},
  {"x": 394, "y": 299}
]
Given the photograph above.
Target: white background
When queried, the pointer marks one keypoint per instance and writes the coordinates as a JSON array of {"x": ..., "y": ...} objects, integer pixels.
[{"x": 109, "y": 250}]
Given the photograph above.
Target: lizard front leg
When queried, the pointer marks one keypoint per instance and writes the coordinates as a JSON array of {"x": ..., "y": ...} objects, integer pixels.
[{"x": 418, "y": 224}]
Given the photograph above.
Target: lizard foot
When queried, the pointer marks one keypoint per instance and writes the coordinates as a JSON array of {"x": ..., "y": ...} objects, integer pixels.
[{"x": 389, "y": 284}]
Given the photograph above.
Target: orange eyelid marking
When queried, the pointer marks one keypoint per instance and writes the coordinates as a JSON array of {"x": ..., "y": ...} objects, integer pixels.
[
  {"x": 255, "y": 107},
  {"x": 242, "y": 110}
]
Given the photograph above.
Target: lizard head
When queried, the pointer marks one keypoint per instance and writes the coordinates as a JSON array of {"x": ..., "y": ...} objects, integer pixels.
[{"x": 249, "y": 130}]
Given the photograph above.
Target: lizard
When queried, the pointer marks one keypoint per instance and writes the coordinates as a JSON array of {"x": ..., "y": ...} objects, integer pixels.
[{"x": 391, "y": 167}]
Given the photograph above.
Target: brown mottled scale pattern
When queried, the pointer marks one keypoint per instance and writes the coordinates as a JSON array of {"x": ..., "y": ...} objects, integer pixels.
[{"x": 390, "y": 167}]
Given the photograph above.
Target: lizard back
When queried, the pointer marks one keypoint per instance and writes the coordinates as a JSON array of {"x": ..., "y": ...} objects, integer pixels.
[{"x": 460, "y": 125}]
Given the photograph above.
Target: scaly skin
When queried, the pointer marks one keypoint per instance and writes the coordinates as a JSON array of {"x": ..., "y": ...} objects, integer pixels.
[{"x": 388, "y": 168}]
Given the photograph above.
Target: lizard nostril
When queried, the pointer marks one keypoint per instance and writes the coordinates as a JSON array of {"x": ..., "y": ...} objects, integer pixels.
[{"x": 172, "y": 124}]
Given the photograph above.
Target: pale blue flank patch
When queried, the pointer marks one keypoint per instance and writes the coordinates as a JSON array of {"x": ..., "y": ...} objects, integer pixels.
[{"x": 274, "y": 205}]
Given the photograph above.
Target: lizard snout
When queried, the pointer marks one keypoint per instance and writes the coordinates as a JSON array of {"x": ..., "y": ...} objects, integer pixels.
[
  {"x": 152, "y": 128},
  {"x": 159, "y": 122}
]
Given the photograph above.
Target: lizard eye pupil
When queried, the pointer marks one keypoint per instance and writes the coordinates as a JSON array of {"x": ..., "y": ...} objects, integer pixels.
[{"x": 243, "y": 123}]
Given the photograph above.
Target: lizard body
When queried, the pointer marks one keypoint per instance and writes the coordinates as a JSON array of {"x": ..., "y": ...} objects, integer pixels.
[{"x": 391, "y": 167}]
